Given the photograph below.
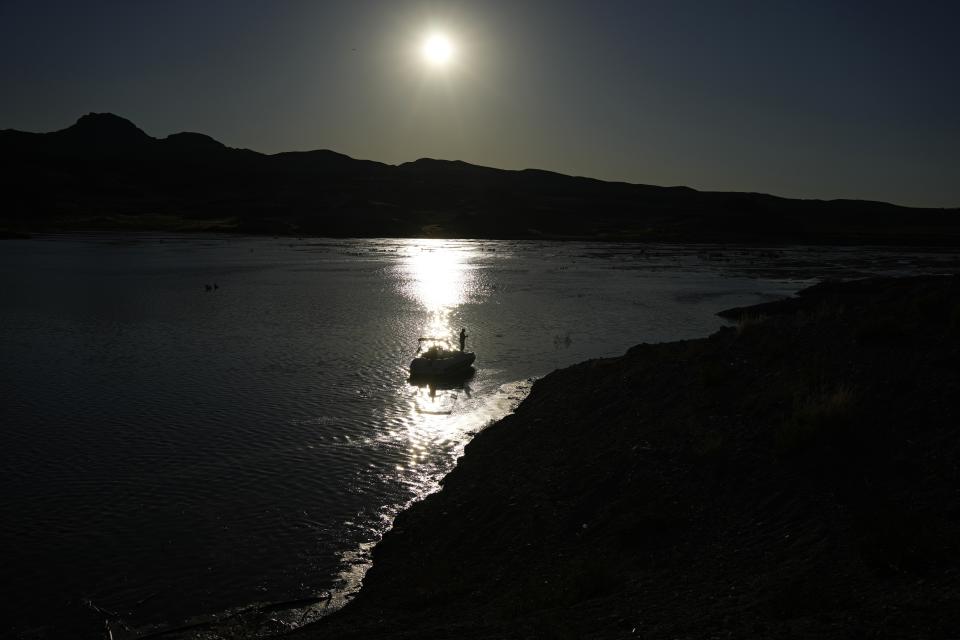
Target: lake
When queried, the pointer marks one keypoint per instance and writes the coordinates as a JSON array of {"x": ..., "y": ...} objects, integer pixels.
[{"x": 194, "y": 425}]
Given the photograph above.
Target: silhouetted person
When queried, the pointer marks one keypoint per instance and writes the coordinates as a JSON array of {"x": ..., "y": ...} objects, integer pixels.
[{"x": 463, "y": 338}]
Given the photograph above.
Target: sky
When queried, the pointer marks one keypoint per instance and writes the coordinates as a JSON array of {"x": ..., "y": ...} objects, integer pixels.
[{"x": 809, "y": 99}]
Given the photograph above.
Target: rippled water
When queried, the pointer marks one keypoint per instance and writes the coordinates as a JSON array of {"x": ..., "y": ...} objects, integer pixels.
[{"x": 171, "y": 452}]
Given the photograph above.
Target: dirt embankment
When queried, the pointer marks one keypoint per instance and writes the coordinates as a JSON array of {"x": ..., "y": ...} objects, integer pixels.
[{"x": 795, "y": 475}]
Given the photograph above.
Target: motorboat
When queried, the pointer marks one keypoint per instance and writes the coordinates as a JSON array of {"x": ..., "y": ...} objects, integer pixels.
[{"x": 437, "y": 361}]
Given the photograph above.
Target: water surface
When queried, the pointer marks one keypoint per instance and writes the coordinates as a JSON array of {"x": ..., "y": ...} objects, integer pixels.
[{"x": 170, "y": 451}]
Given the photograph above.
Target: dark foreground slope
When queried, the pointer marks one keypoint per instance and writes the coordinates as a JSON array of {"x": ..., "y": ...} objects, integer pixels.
[
  {"x": 794, "y": 476},
  {"x": 105, "y": 173}
]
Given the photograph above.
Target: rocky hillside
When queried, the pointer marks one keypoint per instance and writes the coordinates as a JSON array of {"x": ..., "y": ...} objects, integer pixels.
[
  {"x": 106, "y": 173},
  {"x": 795, "y": 475}
]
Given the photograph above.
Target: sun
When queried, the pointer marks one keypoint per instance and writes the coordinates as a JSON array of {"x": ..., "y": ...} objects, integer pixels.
[{"x": 437, "y": 50}]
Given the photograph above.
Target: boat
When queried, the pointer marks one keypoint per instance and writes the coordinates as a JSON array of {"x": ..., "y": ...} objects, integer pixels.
[{"x": 440, "y": 362}]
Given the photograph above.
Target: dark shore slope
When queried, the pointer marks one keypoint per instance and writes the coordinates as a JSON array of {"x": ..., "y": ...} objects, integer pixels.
[
  {"x": 794, "y": 476},
  {"x": 104, "y": 173}
]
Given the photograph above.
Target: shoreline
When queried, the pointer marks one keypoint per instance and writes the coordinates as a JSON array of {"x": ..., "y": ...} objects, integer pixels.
[
  {"x": 214, "y": 228},
  {"x": 788, "y": 476}
]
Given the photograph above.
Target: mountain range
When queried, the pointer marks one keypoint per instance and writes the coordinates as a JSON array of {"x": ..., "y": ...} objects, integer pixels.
[{"x": 104, "y": 172}]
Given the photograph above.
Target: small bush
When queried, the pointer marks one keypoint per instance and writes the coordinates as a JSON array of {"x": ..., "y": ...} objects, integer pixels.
[
  {"x": 749, "y": 320},
  {"x": 817, "y": 417}
]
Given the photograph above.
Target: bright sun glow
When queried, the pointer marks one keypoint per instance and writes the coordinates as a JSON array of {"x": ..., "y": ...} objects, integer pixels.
[
  {"x": 438, "y": 275},
  {"x": 437, "y": 50}
]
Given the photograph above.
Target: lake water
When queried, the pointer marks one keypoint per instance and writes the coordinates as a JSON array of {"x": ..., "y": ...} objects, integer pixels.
[{"x": 170, "y": 453}]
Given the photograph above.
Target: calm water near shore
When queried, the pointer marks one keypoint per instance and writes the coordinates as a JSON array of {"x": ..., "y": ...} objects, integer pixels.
[{"x": 169, "y": 451}]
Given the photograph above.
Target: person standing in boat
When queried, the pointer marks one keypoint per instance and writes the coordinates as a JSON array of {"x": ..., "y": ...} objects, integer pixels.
[{"x": 463, "y": 338}]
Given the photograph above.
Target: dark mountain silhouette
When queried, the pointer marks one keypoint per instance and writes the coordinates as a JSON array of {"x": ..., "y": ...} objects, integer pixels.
[
  {"x": 105, "y": 172},
  {"x": 103, "y": 132},
  {"x": 192, "y": 142}
]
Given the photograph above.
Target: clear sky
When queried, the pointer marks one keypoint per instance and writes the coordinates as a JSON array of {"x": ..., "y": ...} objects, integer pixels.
[{"x": 812, "y": 98}]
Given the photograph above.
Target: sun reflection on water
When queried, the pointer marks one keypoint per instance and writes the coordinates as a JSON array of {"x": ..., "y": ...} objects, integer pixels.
[{"x": 440, "y": 275}]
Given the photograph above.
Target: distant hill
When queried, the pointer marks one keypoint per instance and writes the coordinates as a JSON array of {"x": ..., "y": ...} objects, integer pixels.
[{"x": 106, "y": 173}]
